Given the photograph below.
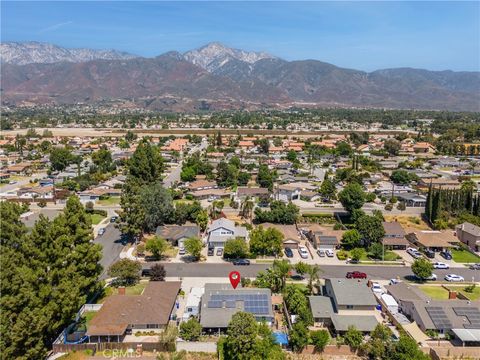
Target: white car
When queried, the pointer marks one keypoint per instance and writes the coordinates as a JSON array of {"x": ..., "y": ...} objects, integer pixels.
[
  {"x": 454, "y": 278},
  {"x": 181, "y": 251},
  {"x": 303, "y": 252},
  {"x": 414, "y": 252},
  {"x": 440, "y": 265},
  {"x": 394, "y": 281},
  {"x": 432, "y": 277},
  {"x": 376, "y": 288},
  {"x": 101, "y": 231},
  {"x": 329, "y": 252}
]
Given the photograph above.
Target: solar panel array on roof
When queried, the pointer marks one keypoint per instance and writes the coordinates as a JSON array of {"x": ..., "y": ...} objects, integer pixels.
[
  {"x": 472, "y": 314},
  {"x": 254, "y": 303},
  {"x": 439, "y": 318}
]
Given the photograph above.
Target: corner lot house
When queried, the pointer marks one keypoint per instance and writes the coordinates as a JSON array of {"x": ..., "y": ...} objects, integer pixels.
[
  {"x": 222, "y": 230},
  {"x": 122, "y": 315},
  {"x": 220, "y": 302},
  {"x": 469, "y": 234}
]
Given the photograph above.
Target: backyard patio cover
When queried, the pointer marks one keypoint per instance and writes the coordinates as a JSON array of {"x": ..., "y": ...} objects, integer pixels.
[{"x": 467, "y": 335}]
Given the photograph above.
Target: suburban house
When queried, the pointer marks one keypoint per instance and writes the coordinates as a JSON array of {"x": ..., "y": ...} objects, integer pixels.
[
  {"x": 36, "y": 193},
  {"x": 323, "y": 238},
  {"x": 177, "y": 234},
  {"x": 19, "y": 169},
  {"x": 432, "y": 240},
  {"x": 345, "y": 303},
  {"x": 423, "y": 148},
  {"x": 292, "y": 191},
  {"x": 438, "y": 315},
  {"x": 412, "y": 199},
  {"x": 222, "y": 230},
  {"x": 252, "y": 192},
  {"x": 220, "y": 302},
  {"x": 201, "y": 185},
  {"x": 469, "y": 234},
  {"x": 291, "y": 237},
  {"x": 122, "y": 315},
  {"x": 394, "y": 237}
]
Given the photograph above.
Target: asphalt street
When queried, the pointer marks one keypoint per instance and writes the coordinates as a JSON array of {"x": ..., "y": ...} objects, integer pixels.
[
  {"x": 328, "y": 271},
  {"x": 112, "y": 246}
]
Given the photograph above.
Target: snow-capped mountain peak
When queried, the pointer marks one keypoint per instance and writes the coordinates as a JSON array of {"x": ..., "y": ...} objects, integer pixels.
[{"x": 214, "y": 55}]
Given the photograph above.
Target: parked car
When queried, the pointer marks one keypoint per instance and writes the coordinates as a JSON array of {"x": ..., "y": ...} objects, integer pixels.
[
  {"x": 241, "y": 262},
  {"x": 356, "y": 275},
  {"x": 376, "y": 288},
  {"x": 113, "y": 219},
  {"x": 321, "y": 252},
  {"x": 432, "y": 277},
  {"x": 211, "y": 251},
  {"x": 475, "y": 267},
  {"x": 288, "y": 252},
  {"x": 414, "y": 253},
  {"x": 454, "y": 278},
  {"x": 329, "y": 253},
  {"x": 303, "y": 252},
  {"x": 447, "y": 255},
  {"x": 181, "y": 251},
  {"x": 101, "y": 231},
  {"x": 430, "y": 254},
  {"x": 219, "y": 251},
  {"x": 12, "y": 182},
  {"x": 440, "y": 265},
  {"x": 394, "y": 281}
]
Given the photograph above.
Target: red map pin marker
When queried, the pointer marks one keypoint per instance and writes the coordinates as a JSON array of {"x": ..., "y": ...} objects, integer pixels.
[{"x": 234, "y": 277}]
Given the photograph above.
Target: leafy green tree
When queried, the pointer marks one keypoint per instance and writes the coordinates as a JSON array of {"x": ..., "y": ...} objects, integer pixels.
[
  {"x": 202, "y": 220},
  {"x": 313, "y": 272},
  {"x": 292, "y": 156},
  {"x": 301, "y": 268},
  {"x": 279, "y": 213},
  {"x": 157, "y": 246},
  {"x": 156, "y": 205},
  {"x": 353, "y": 337},
  {"x": 103, "y": 160},
  {"x": 235, "y": 249},
  {"x": 379, "y": 346},
  {"x": 266, "y": 177},
  {"x": 60, "y": 158},
  {"x": 157, "y": 273},
  {"x": 298, "y": 336},
  {"x": 357, "y": 253},
  {"x": 422, "y": 268},
  {"x": 126, "y": 272},
  {"x": 227, "y": 174},
  {"x": 351, "y": 239},
  {"x": 264, "y": 145},
  {"x": 320, "y": 339},
  {"x": 243, "y": 178},
  {"x": 188, "y": 174},
  {"x": 266, "y": 241},
  {"x": 327, "y": 189},
  {"x": 376, "y": 251},
  {"x": 370, "y": 228},
  {"x": 407, "y": 349},
  {"x": 281, "y": 268},
  {"x": 343, "y": 149},
  {"x": 193, "y": 246},
  {"x": 403, "y": 177},
  {"x": 190, "y": 330},
  {"x": 392, "y": 146},
  {"x": 352, "y": 197}
]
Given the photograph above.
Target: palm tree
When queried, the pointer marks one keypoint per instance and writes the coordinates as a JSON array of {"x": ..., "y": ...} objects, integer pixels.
[
  {"x": 247, "y": 208},
  {"x": 281, "y": 269},
  {"x": 313, "y": 276}
]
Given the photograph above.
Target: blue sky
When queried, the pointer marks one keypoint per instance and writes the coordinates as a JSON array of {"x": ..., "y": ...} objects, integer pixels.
[{"x": 360, "y": 35}]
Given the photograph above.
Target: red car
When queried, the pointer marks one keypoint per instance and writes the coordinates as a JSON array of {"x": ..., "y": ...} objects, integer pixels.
[{"x": 356, "y": 275}]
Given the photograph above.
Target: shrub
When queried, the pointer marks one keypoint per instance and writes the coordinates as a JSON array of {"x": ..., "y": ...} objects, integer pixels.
[
  {"x": 342, "y": 255},
  {"x": 190, "y": 330}
]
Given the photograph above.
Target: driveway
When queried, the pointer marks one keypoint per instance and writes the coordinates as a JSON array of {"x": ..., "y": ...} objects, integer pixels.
[{"x": 112, "y": 246}]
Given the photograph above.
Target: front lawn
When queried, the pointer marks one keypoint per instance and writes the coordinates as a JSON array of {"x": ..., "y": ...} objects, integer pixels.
[
  {"x": 474, "y": 296},
  {"x": 112, "y": 200},
  {"x": 464, "y": 256},
  {"x": 96, "y": 218},
  {"x": 435, "y": 292}
]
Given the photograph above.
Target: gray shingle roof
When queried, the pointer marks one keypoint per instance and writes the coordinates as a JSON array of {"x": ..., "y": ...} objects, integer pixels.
[{"x": 351, "y": 292}]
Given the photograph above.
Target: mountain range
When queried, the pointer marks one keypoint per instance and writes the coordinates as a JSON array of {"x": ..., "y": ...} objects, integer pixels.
[{"x": 216, "y": 77}]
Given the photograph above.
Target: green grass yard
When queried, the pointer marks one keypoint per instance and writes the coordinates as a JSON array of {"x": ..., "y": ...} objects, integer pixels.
[
  {"x": 474, "y": 296},
  {"x": 435, "y": 292},
  {"x": 136, "y": 289},
  {"x": 113, "y": 200},
  {"x": 96, "y": 218},
  {"x": 464, "y": 256}
]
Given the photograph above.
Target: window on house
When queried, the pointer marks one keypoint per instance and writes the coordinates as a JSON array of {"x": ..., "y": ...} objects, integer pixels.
[{"x": 349, "y": 306}]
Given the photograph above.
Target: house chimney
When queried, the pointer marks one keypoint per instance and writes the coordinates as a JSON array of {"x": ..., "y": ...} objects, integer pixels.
[
  {"x": 121, "y": 290},
  {"x": 452, "y": 295}
]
